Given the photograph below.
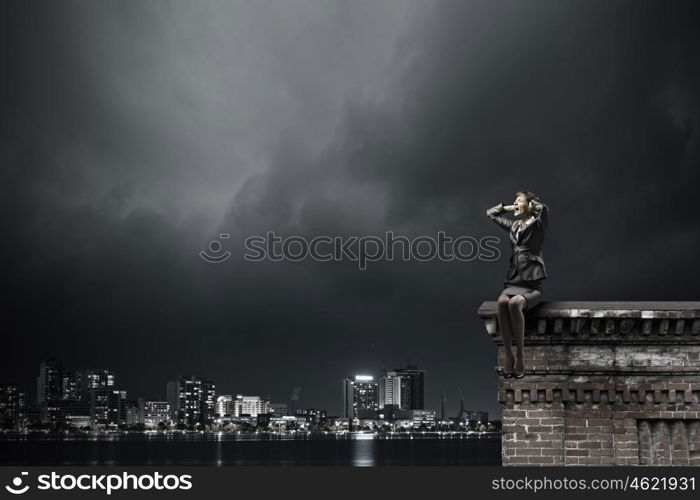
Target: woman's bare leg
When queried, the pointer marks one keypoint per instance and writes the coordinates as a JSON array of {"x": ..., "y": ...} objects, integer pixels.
[
  {"x": 516, "y": 306},
  {"x": 504, "y": 324}
]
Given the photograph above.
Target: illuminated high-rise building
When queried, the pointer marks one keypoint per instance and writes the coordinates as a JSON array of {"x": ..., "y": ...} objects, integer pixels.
[
  {"x": 360, "y": 397},
  {"x": 96, "y": 387},
  {"x": 403, "y": 387},
  {"x": 390, "y": 390},
  {"x": 192, "y": 400}
]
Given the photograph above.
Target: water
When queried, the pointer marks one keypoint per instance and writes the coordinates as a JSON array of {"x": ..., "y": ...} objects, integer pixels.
[{"x": 231, "y": 449}]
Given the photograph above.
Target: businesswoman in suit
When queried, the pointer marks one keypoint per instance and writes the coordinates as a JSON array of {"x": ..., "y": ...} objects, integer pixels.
[{"x": 523, "y": 283}]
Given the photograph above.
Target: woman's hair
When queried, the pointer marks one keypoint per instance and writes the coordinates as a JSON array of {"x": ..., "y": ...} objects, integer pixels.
[{"x": 529, "y": 196}]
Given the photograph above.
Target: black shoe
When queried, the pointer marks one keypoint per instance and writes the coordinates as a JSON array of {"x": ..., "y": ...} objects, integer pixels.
[
  {"x": 508, "y": 375},
  {"x": 519, "y": 375}
]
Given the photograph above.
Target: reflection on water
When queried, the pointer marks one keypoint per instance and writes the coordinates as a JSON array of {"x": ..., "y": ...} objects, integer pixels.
[
  {"x": 363, "y": 450},
  {"x": 219, "y": 459},
  {"x": 360, "y": 450}
]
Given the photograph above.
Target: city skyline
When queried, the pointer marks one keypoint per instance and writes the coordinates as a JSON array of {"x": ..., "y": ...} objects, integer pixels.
[
  {"x": 56, "y": 381},
  {"x": 80, "y": 399}
]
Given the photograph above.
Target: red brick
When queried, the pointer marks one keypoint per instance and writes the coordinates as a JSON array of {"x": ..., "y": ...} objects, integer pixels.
[
  {"x": 528, "y": 452},
  {"x": 589, "y": 444},
  {"x": 601, "y": 453}
]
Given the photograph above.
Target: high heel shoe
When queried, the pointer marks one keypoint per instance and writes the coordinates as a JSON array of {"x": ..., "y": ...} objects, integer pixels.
[
  {"x": 519, "y": 371},
  {"x": 508, "y": 368},
  {"x": 502, "y": 373}
]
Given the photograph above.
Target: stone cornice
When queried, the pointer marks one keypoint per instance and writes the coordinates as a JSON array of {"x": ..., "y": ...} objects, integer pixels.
[
  {"x": 654, "y": 323},
  {"x": 670, "y": 393}
]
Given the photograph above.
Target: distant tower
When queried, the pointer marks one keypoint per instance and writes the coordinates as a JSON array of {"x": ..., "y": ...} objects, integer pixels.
[
  {"x": 294, "y": 401},
  {"x": 49, "y": 383},
  {"x": 442, "y": 412}
]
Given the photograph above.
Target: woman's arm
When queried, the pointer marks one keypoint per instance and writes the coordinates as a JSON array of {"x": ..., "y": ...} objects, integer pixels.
[
  {"x": 494, "y": 213},
  {"x": 540, "y": 212}
]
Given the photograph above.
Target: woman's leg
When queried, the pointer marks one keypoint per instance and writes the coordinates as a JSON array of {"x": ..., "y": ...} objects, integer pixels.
[
  {"x": 516, "y": 306},
  {"x": 504, "y": 324}
]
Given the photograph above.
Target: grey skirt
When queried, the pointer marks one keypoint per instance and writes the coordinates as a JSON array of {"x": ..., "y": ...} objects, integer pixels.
[{"x": 531, "y": 296}]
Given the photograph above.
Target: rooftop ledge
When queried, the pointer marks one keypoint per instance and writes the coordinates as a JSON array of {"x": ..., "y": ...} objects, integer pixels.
[
  {"x": 601, "y": 322},
  {"x": 606, "y": 383}
]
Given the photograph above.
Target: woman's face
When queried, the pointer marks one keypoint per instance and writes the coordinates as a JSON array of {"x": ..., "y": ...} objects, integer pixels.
[{"x": 522, "y": 207}]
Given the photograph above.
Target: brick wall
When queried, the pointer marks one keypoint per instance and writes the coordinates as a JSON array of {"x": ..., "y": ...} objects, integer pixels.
[{"x": 608, "y": 383}]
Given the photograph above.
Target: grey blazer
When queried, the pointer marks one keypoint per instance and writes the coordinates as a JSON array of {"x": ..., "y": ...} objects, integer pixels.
[{"x": 526, "y": 259}]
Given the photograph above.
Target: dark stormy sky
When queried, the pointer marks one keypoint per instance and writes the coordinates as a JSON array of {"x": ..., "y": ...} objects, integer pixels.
[{"x": 133, "y": 133}]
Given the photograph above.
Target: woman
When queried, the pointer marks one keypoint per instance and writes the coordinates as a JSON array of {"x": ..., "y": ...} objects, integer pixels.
[{"x": 523, "y": 284}]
